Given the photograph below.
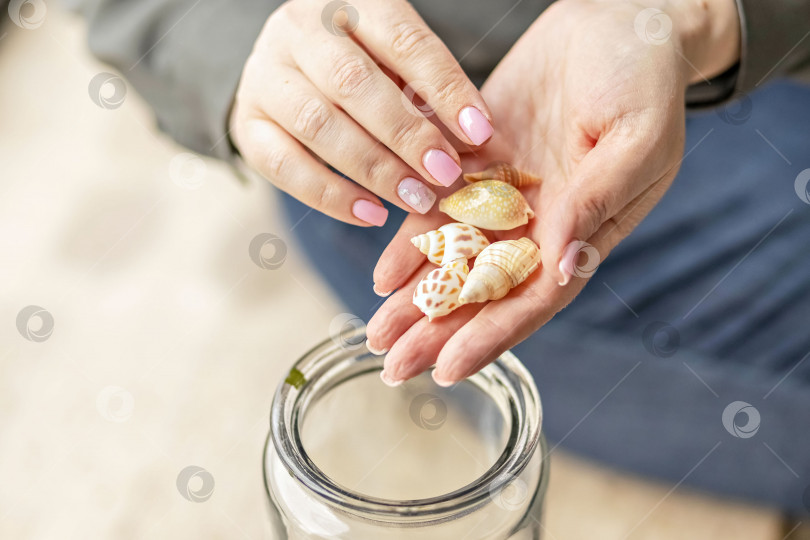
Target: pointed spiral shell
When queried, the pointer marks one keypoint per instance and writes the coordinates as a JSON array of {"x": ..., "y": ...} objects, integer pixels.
[
  {"x": 437, "y": 294},
  {"x": 450, "y": 242},
  {"x": 505, "y": 173},
  {"x": 489, "y": 204},
  {"x": 500, "y": 267}
]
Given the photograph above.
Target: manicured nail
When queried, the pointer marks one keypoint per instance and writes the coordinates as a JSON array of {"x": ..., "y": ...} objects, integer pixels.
[
  {"x": 369, "y": 212},
  {"x": 441, "y": 166},
  {"x": 475, "y": 125},
  {"x": 380, "y": 293},
  {"x": 440, "y": 381},
  {"x": 389, "y": 381},
  {"x": 567, "y": 262},
  {"x": 372, "y": 350},
  {"x": 416, "y": 194}
]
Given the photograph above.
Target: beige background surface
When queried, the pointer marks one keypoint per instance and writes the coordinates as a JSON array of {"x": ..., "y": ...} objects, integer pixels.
[{"x": 169, "y": 340}]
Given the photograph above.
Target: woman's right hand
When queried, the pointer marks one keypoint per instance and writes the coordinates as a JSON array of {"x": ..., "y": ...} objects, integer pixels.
[{"x": 333, "y": 83}]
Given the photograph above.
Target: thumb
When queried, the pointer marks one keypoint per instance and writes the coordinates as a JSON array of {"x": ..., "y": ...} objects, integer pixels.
[{"x": 609, "y": 177}]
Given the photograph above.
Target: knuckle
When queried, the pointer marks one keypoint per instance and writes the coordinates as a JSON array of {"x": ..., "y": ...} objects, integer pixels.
[
  {"x": 408, "y": 38},
  {"x": 325, "y": 196},
  {"x": 376, "y": 170},
  {"x": 350, "y": 75},
  {"x": 405, "y": 130},
  {"x": 594, "y": 210},
  {"x": 311, "y": 119},
  {"x": 452, "y": 87},
  {"x": 273, "y": 161}
]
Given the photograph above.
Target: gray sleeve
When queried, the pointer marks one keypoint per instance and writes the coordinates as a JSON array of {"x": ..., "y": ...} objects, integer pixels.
[{"x": 185, "y": 57}]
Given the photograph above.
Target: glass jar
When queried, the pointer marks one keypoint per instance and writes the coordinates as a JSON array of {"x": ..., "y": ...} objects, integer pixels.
[{"x": 349, "y": 457}]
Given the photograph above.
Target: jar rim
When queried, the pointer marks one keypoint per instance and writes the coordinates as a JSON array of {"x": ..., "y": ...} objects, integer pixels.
[{"x": 506, "y": 371}]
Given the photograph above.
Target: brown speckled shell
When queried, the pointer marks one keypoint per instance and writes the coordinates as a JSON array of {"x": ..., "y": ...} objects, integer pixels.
[
  {"x": 450, "y": 242},
  {"x": 505, "y": 173},
  {"x": 437, "y": 294}
]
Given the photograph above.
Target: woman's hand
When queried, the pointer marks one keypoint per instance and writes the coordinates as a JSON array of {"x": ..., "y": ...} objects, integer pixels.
[
  {"x": 333, "y": 83},
  {"x": 591, "y": 99}
]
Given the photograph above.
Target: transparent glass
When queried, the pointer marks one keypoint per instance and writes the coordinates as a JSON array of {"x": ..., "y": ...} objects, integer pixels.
[{"x": 348, "y": 457}]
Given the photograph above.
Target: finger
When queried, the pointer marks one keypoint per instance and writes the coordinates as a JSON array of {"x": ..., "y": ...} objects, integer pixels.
[
  {"x": 404, "y": 42},
  {"x": 397, "y": 314},
  {"x": 346, "y": 75},
  {"x": 281, "y": 159},
  {"x": 417, "y": 349},
  {"x": 301, "y": 109},
  {"x": 613, "y": 173},
  {"x": 400, "y": 258}
]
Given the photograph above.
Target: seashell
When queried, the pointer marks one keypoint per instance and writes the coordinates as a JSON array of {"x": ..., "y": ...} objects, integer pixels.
[
  {"x": 437, "y": 294},
  {"x": 500, "y": 267},
  {"x": 489, "y": 204},
  {"x": 450, "y": 242},
  {"x": 500, "y": 170}
]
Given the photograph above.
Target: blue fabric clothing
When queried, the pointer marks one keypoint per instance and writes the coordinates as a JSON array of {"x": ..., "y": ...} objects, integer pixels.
[{"x": 705, "y": 304}]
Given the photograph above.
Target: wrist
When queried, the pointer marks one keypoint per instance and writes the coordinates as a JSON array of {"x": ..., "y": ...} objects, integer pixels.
[{"x": 709, "y": 35}]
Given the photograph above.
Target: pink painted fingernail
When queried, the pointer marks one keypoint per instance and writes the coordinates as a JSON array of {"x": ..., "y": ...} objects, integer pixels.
[
  {"x": 380, "y": 293},
  {"x": 567, "y": 262},
  {"x": 441, "y": 166},
  {"x": 475, "y": 125},
  {"x": 369, "y": 212},
  {"x": 416, "y": 194},
  {"x": 388, "y": 380},
  {"x": 440, "y": 381}
]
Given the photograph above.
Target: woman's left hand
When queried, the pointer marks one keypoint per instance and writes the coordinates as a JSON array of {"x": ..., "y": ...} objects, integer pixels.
[{"x": 591, "y": 99}]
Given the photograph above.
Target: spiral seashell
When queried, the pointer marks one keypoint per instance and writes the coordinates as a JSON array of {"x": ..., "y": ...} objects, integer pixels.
[
  {"x": 500, "y": 267},
  {"x": 437, "y": 294},
  {"x": 488, "y": 204},
  {"x": 450, "y": 242},
  {"x": 500, "y": 170}
]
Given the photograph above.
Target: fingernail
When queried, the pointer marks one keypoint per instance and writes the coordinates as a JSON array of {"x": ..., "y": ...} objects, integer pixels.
[
  {"x": 372, "y": 350},
  {"x": 388, "y": 380},
  {"x": 416, "y": 194},
  {"x": 475, "y": 125},
  {"x": 441, "y": 166},
  {"x": 369, "y": 212},
  {"x": 440, "y": 381},
  {"x": 567, "y": 263},
  {"x": 380, "y": 293}
]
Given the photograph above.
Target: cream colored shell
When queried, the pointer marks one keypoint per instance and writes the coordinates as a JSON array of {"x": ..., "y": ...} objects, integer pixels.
[
  {"x": 500, "y": 267},
  {"x": 505, "y": 173},
  {"x": 437, "y": 294},
  {"x": 450, "y": 242},
  {"x": 489, "y": 204}
]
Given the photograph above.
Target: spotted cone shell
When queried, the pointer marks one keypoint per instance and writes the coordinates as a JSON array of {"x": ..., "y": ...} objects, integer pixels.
[
  {"x": 500, "y": 267},
  {"x": 437, "y": 294},
  {"x": 505, "y": 173},
  {"x": 488, "y": 204},
  {"x": 450, "y": 242}
]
